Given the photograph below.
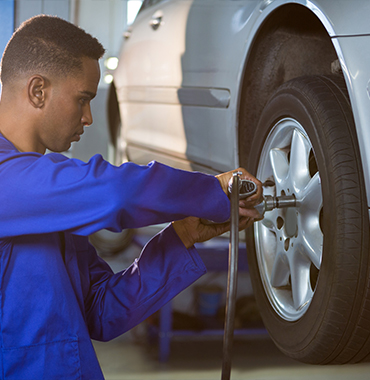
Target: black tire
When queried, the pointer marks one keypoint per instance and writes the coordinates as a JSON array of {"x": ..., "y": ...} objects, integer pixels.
[
  {"x": 326, "y": 320},
  {"x": 115, "y": 127},
  {"x": 109, "y": 243}
]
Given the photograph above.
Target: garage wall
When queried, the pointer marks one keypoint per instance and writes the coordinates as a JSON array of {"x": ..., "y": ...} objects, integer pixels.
[
  {"x": 105, "y": 20},
  {"x": 25, "y": 9},
  {"x": 6, "y": 23}
]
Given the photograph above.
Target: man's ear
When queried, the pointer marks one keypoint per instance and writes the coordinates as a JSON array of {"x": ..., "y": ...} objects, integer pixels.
[{"x": 36, "y": 91}]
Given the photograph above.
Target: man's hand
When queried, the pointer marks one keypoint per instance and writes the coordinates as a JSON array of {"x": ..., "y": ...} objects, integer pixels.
[
  {"x": 191, "y": 230},
  {"x": 246, "y": 206}
]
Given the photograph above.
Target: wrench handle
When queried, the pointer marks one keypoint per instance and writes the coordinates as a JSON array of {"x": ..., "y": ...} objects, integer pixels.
[{"x": 232, "y": 278}]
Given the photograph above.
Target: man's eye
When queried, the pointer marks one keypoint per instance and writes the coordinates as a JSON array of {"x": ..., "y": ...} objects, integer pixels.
[{"x": 84, "y": 100}]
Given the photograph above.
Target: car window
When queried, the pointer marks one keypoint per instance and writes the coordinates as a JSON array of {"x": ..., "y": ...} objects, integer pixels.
[{"x": 149, "y": 3}]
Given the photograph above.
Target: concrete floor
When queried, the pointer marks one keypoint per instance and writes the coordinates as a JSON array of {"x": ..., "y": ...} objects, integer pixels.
[{"x": 254, "y": 357}]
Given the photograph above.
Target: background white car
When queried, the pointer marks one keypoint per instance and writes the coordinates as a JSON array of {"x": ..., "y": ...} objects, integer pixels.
[{"x": 281, "y": 88}]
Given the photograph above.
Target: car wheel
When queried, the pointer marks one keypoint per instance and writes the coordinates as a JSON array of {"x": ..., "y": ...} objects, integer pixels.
[
  {"x": 309, "y": 264},
  {"x": 110, "y": 243}
]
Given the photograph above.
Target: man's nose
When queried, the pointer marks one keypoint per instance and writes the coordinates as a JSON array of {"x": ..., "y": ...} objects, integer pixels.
[{"x": 87, "y": 118}]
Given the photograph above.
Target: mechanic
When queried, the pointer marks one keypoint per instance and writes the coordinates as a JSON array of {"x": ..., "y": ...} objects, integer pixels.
[{"x": 56, "y": 293}]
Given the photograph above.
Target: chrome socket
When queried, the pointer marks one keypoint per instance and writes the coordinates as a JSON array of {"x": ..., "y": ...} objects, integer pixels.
[{"x": 269, "y": 203}]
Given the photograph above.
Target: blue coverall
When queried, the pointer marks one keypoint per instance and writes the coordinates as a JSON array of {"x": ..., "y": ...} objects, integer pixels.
[{"x": 56, "y": 293}]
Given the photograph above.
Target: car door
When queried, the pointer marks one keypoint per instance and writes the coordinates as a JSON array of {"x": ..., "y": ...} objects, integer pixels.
[
  {"x": 178, "y": 80},
  {"x": 212, "y": 68},
  {"x": 148, "y": 78}
]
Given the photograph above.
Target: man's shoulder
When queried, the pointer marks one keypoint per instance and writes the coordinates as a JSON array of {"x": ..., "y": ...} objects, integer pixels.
[{"x": 9, "y": 151}]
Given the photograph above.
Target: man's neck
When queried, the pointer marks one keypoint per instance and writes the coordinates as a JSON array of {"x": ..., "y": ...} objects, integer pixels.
[{"x": 16, "y": 128}]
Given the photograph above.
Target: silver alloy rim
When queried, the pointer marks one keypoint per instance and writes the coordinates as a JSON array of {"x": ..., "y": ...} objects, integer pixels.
[{"x": 289, "y": 241}]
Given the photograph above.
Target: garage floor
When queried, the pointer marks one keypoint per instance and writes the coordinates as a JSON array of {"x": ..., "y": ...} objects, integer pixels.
[
  {"x": 253, "y": 359},
  {"x": 130, "y": 357}
]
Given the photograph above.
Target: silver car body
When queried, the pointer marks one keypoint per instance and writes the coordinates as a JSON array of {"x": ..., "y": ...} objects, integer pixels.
[{"x": 180, "y": 105}]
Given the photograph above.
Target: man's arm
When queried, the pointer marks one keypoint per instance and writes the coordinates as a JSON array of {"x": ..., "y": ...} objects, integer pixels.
[
  {"x": 41, "y": 194},
  {"x": 118, "y": 302}
]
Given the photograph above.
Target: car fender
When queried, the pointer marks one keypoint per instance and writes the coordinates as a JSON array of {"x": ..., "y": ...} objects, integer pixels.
[{"x": 349, "y": 36}]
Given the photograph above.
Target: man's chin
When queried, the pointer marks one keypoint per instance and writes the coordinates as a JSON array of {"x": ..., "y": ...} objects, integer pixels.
[{"x": 60, "y": 149}]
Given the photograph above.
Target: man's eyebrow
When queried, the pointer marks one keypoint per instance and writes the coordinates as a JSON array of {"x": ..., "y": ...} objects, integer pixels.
[{"x": 90, "y": 94}]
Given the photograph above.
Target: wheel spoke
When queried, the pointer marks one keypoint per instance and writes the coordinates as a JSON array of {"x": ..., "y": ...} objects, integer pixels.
[
  {"x": 299, "y": 153},
  {"x": 269, "y": 220},
  {"x": 312, "y": 237},
  {"x": 312, "y": 196},
  {"x": 300, "y": 280},
  {"x": 312, "y": 242},
  {"x": 279, "y": 164},
  {"x": 280, "y": 271}
]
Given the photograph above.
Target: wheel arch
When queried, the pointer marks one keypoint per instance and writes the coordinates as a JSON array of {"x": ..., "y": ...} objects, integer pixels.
[{"x": 291, "y": 42}]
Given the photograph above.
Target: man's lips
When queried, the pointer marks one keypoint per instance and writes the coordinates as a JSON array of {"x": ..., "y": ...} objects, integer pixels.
[{"x": 77, "y": 136}]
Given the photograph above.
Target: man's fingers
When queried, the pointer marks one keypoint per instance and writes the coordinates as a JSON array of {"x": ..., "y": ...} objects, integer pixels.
[
  {"x": 245, "y": 222},
  {"x": 249, "y": 213},
  {"x": 219, "y": 228}
]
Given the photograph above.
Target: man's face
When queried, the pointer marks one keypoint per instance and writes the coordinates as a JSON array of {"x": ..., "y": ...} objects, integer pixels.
[{"x": 67, "y": 109}]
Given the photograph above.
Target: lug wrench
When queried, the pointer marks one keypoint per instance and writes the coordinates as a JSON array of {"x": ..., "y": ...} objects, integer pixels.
[
  {"x": 232, "y": 276},
  {"x": 245, "y": 189}
]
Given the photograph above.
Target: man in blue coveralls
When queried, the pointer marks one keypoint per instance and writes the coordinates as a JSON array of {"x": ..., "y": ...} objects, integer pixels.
[{"x": 56, "y": 293}]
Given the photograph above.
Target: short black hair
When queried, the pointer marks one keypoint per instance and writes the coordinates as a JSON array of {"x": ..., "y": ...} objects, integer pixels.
[{"x": 47, "y": 44}]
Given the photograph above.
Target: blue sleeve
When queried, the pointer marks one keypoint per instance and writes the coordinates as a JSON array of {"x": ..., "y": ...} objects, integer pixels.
[
  {"x": 118, "y": 302},
  {"x": 48, "y": 193}
]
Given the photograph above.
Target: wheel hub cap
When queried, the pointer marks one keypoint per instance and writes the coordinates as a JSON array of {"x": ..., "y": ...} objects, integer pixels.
[{"x": 289, "y": 241}]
